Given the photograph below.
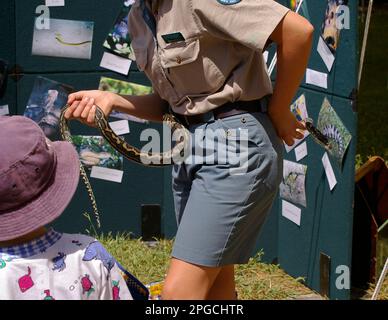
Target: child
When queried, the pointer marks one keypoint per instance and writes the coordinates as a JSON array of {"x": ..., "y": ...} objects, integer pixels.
[{"x": 37, "y": 181}]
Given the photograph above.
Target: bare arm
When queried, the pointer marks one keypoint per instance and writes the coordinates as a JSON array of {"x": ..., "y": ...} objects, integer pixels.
[
  {"x": 150, "y": 107},
  {"x": 82, "y": 105},
  {"x": 294, "y": 39}
]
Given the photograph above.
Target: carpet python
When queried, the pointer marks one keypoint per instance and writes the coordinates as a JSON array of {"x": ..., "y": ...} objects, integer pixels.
[{"x": 128, "y": 151}]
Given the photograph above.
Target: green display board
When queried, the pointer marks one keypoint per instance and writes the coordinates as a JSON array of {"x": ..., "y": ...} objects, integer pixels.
[
  {"x": 97, "y": 11},
  {"x": 119, "y": 203},
  {"x": 313, "y": 250},
  {"x": 319, "y": 250}
]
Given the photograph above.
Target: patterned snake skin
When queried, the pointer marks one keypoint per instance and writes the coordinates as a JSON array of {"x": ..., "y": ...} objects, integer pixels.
[{"x": 128, "y": 151}]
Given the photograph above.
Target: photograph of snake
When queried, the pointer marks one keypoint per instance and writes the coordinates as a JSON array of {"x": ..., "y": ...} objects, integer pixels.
[
  {"x": 64, "y": 38},
  {"x": 124, "y": 88},
  {"x": 330, "y": 30},
  {"x": 118, "y": 40},
  {"x": 330, "y": 124},
  {"x": 292, "y": 187},
  {"x": 45, "y": 103},
  {"x": 96, "y": 151}
]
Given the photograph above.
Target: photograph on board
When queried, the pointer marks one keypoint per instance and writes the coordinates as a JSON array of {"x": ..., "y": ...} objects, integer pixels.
[
  {"x": 330, "y": 124},
  {"x": 118, "y": 40},
  {"x": 96, "y": 151},
  {"x": 299, "y": 109},
  {"x": 330, "y": 29},
  {"x": 124, "y": 88},
  {"x": 64, "y": 38},
  {"x": 301, "y": 6},
  {"x": 44, "y": 106},
  {"x": 294, "y": 4},
  {"x": 292, "y": 187},
  {"x": 4, "y": 110}
]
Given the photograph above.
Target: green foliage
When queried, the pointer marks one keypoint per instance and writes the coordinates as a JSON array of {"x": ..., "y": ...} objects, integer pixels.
[
  {"x": 373, "y": 95},
  {"x": 99, "y": 145},
  {"x": 123, "y": 87}
]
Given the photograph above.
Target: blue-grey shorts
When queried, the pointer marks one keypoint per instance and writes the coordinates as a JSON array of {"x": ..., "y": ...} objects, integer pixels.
[{"x": 222, "y": 202}]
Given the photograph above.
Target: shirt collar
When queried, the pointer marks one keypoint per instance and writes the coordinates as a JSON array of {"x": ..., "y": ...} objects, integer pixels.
[{"x": 33, "y": 247}]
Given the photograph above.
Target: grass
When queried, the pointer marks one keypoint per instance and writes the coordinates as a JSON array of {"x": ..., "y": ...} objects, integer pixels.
[
  {"x": 255, "y": 280},
  {"x": 383, "y": 295},
  {"x": 260, "y": 281}
]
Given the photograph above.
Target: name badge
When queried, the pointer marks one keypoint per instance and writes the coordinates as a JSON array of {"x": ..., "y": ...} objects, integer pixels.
[{"x": 173, "y": 37}]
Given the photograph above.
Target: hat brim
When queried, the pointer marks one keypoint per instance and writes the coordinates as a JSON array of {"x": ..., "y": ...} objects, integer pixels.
[{"x": 51, "y": 203}]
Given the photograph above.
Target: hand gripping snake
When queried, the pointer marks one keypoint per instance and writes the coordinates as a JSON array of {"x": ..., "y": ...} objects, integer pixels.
[{"x": 130, "y": 152}]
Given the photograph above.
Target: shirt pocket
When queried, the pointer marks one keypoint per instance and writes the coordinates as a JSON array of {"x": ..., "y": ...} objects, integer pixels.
[
  {"x": 188, "y": 70},
  {"x": 180, "y": 54}
]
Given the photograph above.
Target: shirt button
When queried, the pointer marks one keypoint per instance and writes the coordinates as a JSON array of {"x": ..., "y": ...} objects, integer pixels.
[{"x": 178, "y": 60}]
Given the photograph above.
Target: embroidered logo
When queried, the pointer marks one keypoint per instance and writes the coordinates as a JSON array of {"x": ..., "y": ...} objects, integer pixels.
[{"x": 228, "y": 2}]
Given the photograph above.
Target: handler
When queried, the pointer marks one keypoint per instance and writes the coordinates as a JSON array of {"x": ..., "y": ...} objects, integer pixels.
[{"x": 205, "y": 61}]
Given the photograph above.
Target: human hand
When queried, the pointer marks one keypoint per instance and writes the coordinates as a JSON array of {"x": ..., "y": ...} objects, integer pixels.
[
  {"x": 82, "y": 105},
  {"x": 286, "y": 125}
]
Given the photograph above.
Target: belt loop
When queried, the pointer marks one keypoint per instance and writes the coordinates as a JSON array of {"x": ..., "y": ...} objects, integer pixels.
[
  {"x": 211, "y": 117},
  {"x": 264, "y": 102},
  {"x": 187, "y": 123}
]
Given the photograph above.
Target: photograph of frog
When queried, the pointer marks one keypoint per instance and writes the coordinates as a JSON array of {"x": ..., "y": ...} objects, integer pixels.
[
  {"x": 292, "y": 187},
  {"x": 124, "y": 88},
  {"x": 44, "y": 106},
  {"x": 299, "y": 109},
  {"x": 331, "y": 26},
  {"x": 330, "y": 124},
  {"x": 64, "y": 38},
  {"x": 118, "y": 40},
  {"x": 96, "y": 151}
]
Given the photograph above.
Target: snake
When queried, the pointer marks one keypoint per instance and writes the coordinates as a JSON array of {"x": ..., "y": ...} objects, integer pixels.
[
  {"x": 130, "y": 152},
  {"x": 319, "y": 137},
  {"x": 58, "y": 37}
]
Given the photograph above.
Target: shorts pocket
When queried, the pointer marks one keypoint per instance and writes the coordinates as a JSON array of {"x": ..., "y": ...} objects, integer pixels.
[{"x": 246, "y": 124}]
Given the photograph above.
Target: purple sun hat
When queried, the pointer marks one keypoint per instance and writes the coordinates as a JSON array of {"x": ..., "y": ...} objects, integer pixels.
[{"x": 37, "y": 178}]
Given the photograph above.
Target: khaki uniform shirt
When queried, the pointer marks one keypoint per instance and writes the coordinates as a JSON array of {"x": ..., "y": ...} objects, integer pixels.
[{"x": 214, "y": 54}]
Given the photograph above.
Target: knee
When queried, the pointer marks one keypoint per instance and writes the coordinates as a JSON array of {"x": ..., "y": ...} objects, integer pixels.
[
  {"x": 179, "y": 290},
  {"x": 170, "y": 291}
]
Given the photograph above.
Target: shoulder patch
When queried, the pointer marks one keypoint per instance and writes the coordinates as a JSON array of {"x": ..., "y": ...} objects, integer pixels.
[{"x": 228, "y": 2}]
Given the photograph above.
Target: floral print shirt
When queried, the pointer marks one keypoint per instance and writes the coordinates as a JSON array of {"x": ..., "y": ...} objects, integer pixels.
[{"x": 64, "y": 267}]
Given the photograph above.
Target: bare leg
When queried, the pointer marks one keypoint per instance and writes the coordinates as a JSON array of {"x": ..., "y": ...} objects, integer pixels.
[
  {"x": 224, "y": 287},
  {"x": 186, "y": 281}
]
